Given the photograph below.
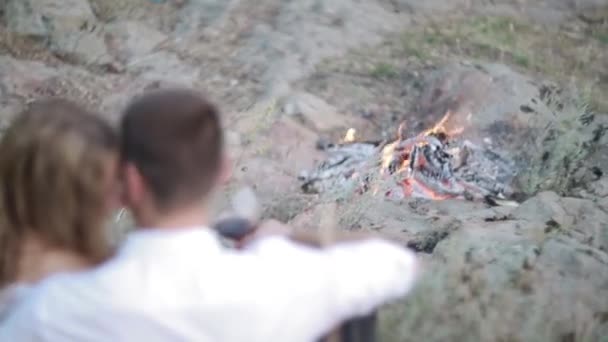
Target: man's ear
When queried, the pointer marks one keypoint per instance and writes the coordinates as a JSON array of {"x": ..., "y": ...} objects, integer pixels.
[{"x": 134, "y": 187}]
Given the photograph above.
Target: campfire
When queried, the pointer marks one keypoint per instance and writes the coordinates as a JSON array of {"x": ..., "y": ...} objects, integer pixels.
[{"x": 436, "y": 164}]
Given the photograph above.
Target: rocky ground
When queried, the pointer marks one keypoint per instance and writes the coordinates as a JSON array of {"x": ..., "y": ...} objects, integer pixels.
[{"x": 533, "y": 75}]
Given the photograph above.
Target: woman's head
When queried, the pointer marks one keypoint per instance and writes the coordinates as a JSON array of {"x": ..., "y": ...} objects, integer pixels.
[{"x": 58, "y": 168}]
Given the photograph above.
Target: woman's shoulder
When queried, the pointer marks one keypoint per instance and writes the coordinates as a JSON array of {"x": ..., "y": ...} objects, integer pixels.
[{"x": 11, "y": 296}]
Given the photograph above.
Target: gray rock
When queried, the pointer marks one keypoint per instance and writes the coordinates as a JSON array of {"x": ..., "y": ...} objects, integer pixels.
[
  {"x": 22, "y": 20},
  {"x": 165, "y": 66},
  {"x": 590, "y": 222},
  {"x": 197, "y": 14},
  {"x": 498, "y": 253},
  {"x": 42, "y": 18},
  {"x": 544, "y": 207},
  {"x": 130, "y": 40},
  {"x": 70, "y": 27},
  {"x": 569, "y": 260},
  {"x": 592, "y": 10},
  {"x": 316, "y": 113},
  {"x": 86, "y": 47}
]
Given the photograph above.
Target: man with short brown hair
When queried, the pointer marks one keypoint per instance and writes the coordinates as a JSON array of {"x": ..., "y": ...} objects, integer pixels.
[
  {"x": 174, "y": 141},
  {"x": 173, "y": 281}
]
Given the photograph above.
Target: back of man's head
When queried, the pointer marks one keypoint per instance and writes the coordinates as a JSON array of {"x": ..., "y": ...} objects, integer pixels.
[{"x": 173, "y": 138}]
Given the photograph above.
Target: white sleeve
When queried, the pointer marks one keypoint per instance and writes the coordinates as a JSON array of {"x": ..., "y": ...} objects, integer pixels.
[{"x": 341, "y": 281}]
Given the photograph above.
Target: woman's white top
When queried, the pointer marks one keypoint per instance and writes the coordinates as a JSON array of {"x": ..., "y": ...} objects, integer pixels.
[{"x": 11, "y": 296}]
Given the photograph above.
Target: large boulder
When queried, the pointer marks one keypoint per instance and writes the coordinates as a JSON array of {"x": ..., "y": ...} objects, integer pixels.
[
  {"x": 504, "y": 288},
  {"x": 521, "y": 276},
  {"x": 581, "y": 219}
]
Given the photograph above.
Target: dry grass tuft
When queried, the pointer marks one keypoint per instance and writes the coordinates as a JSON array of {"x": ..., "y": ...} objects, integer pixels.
[
  {"x": 576, "y": 53},
  {"x": 572, "y": 54},
  {"x": 557, "y": 153}
]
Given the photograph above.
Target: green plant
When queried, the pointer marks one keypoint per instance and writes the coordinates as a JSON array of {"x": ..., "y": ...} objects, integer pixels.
[
  {"x": 602, "y": 37},
  {"x": 383, "y": 70},
  {"x": 555, "y": 153},
  {"x": 522, "y": 60}
]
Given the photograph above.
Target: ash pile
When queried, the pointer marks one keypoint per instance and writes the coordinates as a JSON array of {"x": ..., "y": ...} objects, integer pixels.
[{"x": 436, "y": 164}]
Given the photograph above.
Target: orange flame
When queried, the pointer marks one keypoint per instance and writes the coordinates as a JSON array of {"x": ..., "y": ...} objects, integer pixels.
[
  {"x": 440, "y": 127},
  {"x": 409, "y": 184}
]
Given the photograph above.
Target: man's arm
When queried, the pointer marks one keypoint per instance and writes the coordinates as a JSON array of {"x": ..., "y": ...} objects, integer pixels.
[
  {"x": 308, "y": 238},
  {"x": 314, "y": 239},
  {"x": 335, "y": 283}
]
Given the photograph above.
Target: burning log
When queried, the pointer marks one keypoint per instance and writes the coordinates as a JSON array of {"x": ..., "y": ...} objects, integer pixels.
[{"x": 435, "y": 164}]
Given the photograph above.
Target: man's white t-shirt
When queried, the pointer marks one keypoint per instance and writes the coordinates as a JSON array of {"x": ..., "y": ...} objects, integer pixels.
[{"x": 182, "y": 285}]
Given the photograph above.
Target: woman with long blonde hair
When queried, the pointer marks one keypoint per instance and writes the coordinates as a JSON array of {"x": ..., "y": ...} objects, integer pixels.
[{"x": 58, "y": 183}]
